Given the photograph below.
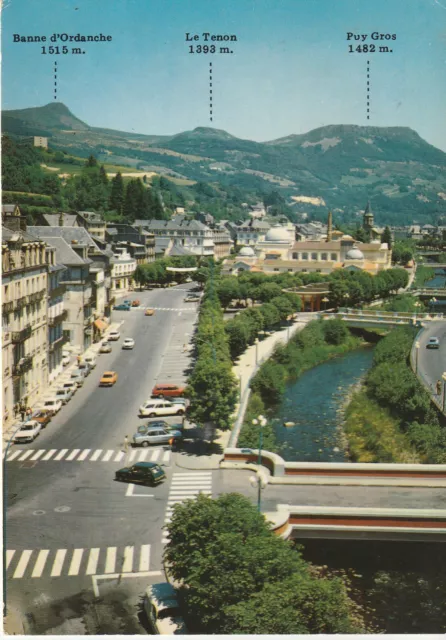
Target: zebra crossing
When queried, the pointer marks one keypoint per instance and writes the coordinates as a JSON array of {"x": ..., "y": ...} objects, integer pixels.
[
  {"x": 47, "y": 563},
  {"x": 183, "y": 487},
  {"x": 190, "y": 308},
  {"x": 90, "y": 455}
]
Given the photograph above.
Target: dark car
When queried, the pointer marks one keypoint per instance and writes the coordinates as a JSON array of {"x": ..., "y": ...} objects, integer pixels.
[
  {"x": 145, "y": 472},
  {"x": 121, "y": 307},
  {"x": 160, "y": 424}
]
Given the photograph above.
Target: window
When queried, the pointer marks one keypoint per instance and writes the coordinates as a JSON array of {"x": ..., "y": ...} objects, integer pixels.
[
  {"x": 305, "y": 256},
  {"x": 318, "y": 270},
  {"x": 334, "y": 256},
  {"x": 295, "y": 256},
  {"x": 276, "y": 269},
  {"x": 324, "y": 256},
  {"x": 314, "y": 256}
]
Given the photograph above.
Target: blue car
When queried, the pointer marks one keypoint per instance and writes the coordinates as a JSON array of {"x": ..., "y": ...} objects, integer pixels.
[{"x": 121, "y": 307}]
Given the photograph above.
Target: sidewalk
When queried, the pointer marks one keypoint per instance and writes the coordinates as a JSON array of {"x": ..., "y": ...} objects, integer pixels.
[{"x": 56, "y": 383}]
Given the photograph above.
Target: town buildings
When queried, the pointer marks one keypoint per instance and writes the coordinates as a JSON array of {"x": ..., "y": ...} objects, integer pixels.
[
  {"x": 57, "y": 314},
  {"x": 192, "y": 235}
]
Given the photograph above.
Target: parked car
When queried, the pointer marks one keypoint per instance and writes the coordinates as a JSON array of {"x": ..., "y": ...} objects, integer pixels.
[
  {"x": 192, "y": 297},
  {"x": 113, "y": 335},
  {"x": 136, "y": 303},
  {"x": 78, "y": 377},
  {"x": 109, "y": 378},
  {"x": 149, "y": 312},
  {"x": 161, "y": 606},
  {"x": 167, "y": 391},
  {"x": 433, "y": 343},
  {"x": 145, "y": 472},
  {"x": 66, "y": 360},
  {"x": 127, "y": 302},
  {"x": 28, "y": 431},
  {"x": 91, "y": 361},
  {"x": 128, "y": 343},
  {"x": 43, "y": 416},
  {"x": 64, "y": 394},
  {"x": 52, "y": 404},
  {"x": 105, "y": 347},
  {"x": 84, "y": 367},
  {"x": 155, "y": 435},
  {"x": 172, "y": 284},
  {"x": 71, "y": 384},
  {"x": 121, "y": 307},
  {"x": 160, "y": 424},
  {"x": 153, "y": 408}
]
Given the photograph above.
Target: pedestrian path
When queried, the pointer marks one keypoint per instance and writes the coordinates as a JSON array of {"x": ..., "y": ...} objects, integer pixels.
[
  {"x": 54, "y": 563},
  {"x": 90, "y": 455},
  {"x": 190, "y": 308},
  {"x": 185, "y": 486}
]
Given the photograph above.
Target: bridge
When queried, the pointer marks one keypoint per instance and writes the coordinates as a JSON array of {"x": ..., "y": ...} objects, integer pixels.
[
  {"x": 382, "y": 319},
  {"x": 429, "y": 293}
]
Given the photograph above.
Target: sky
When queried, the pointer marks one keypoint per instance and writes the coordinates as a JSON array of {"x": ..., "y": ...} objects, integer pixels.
[{"x": 290, "y": 70}]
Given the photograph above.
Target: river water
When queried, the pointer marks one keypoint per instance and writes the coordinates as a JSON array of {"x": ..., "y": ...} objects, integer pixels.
[
  {"x": 439, "y": 281},
  {"x": 315, "y": 403}
]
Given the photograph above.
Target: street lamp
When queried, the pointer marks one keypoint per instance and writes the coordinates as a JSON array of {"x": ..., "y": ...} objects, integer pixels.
[
  {"x": 417, "y": 348},
  {"x": 261, "y": 422},
  {"x": 325, "y": 300},
  {"x": 346, "y": 296},
  {"x": 444, "y": 390},
  {"x": 432, "y": 303}
]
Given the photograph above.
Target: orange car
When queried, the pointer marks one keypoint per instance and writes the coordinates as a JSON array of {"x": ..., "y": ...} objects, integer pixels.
[
  {"x": 136, "y": 303},
  {"x": 149, "y": 312},
  {"x": 167, "y": 391},
  {"x": 109, "y": 378}
]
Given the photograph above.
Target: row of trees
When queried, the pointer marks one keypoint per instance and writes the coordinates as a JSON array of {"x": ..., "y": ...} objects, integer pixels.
[
  {"x": 349, "y": 288},
  {"x": 392, "y": 383},
  {"x": 156, "y": 272},
  {"x": 237, "y": 576},
  {"x": 212, "y": 387}
]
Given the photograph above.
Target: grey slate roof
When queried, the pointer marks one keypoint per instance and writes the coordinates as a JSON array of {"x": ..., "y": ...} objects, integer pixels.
[
  {"x": 177, "y": 224},
  {"x": 9, "y": 208},
  {"x": 9, "y": 234},
  {"x": 64, "y": 253},
  {"x": 178, "y": 250},
  {"x": 69, "y": 234},
  {"x": 253, "y": 225},
  {"x": 52, "y": 219}
]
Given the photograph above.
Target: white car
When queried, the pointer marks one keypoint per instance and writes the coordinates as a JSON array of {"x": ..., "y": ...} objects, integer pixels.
[
  {"x": 91, "y": 361},
  {"x": 65, "y": 360},
  {"x": 65, "y": 394},
  {"x": 153, "y": 408},
  {"x": 52, "y": 404},
  {"x": 163, "y": 610},
  {"x": 28, "y": 432},
  {"x": 78, "y": 377},
  {"x": 113, "y": 335},
  {"x": 70, "y": 385},
  {"x": 128, "y": 343}
]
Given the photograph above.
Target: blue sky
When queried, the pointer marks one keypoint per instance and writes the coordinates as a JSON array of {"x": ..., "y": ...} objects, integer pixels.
[{"x": 290, "y": 71}]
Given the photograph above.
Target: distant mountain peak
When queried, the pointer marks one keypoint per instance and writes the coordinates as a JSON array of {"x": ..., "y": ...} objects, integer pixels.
[{"x": 52, "y": 116}]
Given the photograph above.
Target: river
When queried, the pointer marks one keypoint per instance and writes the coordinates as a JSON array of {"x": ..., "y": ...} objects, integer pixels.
[
  {"x": 439, "y": 281},
  {"x": 315, "y": 403}
]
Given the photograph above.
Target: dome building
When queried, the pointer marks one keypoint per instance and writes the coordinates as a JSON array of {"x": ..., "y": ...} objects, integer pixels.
[{"x": 277, "y": 243}]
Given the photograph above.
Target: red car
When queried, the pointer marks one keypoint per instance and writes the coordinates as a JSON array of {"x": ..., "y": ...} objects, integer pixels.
[{"x": 167, "y": 391}]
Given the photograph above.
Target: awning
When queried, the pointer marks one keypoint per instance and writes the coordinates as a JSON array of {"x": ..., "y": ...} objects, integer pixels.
[{"x": 100, "y": 324}]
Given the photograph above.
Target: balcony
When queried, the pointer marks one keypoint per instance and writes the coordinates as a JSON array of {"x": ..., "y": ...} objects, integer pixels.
[
  {"x": 23, "y": 365},
  {"x": 37, "y": 296},
  {"x": 64, "y": 338},
  {"x": 21, "y": 302},
  {"x": 7, "y": 307},
  {"x": 22, "y": 335},
  {"x": 57, "y": 291},
  {"x": 58, "y": 319},
  {"x": 90, "y": 302}
]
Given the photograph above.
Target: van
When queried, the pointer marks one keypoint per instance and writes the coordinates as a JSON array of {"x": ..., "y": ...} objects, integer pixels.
[
  {"x": 91, "y": 361},
  {"x": 167, "y": 390},
  {"x": 162, "y": 609}
]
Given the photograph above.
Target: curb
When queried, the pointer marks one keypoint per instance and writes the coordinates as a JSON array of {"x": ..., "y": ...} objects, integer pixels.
[{"x": 204, "y": 467}]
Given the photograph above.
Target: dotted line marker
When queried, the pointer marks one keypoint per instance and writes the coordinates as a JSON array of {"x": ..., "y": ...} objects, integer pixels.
[
  {"x": 55, "y": 81},
  {"x": 368, "y": 89},
  {"x": 210, "y": 91}
]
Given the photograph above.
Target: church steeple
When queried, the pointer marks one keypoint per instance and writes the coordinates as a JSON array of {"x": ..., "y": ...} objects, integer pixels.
[
  {"x": 329, "y": 226},
  {"x": 368, "y": 216}
]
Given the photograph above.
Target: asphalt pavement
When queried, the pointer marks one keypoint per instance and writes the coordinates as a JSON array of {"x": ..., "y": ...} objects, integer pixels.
[{"x": 431, "y": 363}]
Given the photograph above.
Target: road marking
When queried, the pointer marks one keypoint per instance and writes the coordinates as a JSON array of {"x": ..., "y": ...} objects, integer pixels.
[
  {"x": 50, "y": 454},
  {"x": 118, "y": 576},
  {"x": 92, "y": 561},
  {"x": 58, "y": 562},
  {"x": 108, "y": 455},
  {"x": 144, "y": 558},
  {"x": 128, "y": 560},
  {"x": 23, "y": 562},
  {"x": 40, "y": 563},
  {"x": 166, "y": 456},
  {"x": 75, "y": 562},
  {"x": 110, "y": 560},
  {"x": 119, "y": 456},
  {"x": 96, "y": 454},
  {"x": 26, "y": 455},
  {"x": 61, "y": 454},
  {"x": 9, "y": 557},
  {"x": 132, "y": 455},
  {"x": 156, "y": 455},
  {"x": 37, "y": 455},
  {"x": 13, "y": 455},
  {"x": 73, "y": 454},
  {"x": 130, "y": 493},
  {"x": 83, "y": 455},
  {"x": 143, "y": 455}
]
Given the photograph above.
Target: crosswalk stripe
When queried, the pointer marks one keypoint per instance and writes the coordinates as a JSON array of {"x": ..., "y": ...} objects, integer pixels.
[
  {"x": 166, "y": 456},
  {"x": 144, "y": 558},
  {"x": 61, "y": 454},
  {"x": 108, "y": 455},
  {"x": 156, "y": 455},
  {"x": 84, "y": 454},
  {"x": 50, "y": 454},
  {"x": 143, "y": 455},
  {"x": 92, "y": 561},
  {"x": 96, "y": 455},
  {"x": 73, "y": 454},
  {"x": 75, "y": 562},
  {"x": 58, "y": 562},
  {"x": 23, "y": 562},
  {"x": 40, "y": 563},
  {"x": 9, "y": 557},
  {"x": 110, "y": 560},
  {"x": 26, "y": 455},
  {"x": 132, "y": 455},
  {"x": 191, "y": 492},
  {"x": 128, "y": 560},
  {"x": 119, "y": 456},
  {"x": 13, "y": 455},
  {"x": 37, "y": 455},
  {"x": 196, "y": 474}
]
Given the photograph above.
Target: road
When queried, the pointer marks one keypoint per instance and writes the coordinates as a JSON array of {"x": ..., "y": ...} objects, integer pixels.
[{"x": 432, "y": 362}]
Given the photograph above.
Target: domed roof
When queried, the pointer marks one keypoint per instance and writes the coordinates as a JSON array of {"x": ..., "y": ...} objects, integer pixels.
[
  {"x": 247, "y": 252},
  {"x": 278, "y": 234},
  {"x": 354, "y": 254}
]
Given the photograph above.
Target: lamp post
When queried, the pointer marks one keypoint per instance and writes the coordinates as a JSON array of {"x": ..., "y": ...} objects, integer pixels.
[
  {"x": 325, "y": 300},
  {"x": 444, "y": 390},
  {"x": 417, "y": 348},
  {"x": 417, "y": 305},
  {"x": 432, "y": 303},
  {"x": 346, "y": 296},
  {"x": 261, "y": 422}
]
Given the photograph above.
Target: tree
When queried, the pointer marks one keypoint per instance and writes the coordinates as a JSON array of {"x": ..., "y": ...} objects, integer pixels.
[
  {"x": 91, "y": 161},
  {"x": 116, "y": 202},
  {"x": 270, "y": 382},
  {"x": 271, "y": 315},
  {"x": 386, "y": 236},
  {"x": 228, "y": 289},
  {"x": 335, "y": 331},
  {"x": 284, "y": 306},
  {"x": 238, "y": 336},
  {"x": 267, "y": 291}
]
